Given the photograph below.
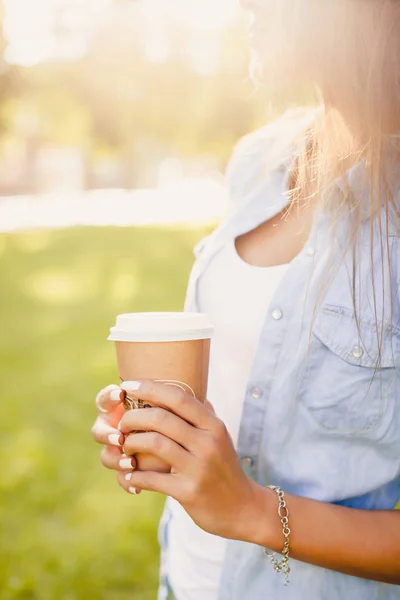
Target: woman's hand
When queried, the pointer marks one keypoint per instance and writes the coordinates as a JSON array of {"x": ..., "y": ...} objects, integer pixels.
[
  {"x": 110, "y": 409},
  {"x": 206, "y": 476},
  {"x": 109, "y": 404}
]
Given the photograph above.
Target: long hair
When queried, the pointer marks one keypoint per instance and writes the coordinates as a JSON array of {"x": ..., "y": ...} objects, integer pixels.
[{"x": 351, "y": 50}]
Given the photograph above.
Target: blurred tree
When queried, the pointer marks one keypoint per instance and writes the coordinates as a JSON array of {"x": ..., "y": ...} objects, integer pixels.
[
  {"x": 141, "y": 85},
  {"x": 62, "y": 117},
  {"x": 149, "y": 86},
  {"x": 10, "y": 78}
]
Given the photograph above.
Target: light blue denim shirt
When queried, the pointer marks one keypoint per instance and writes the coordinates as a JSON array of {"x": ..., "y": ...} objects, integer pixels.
[{"x": 321, "y": 416}]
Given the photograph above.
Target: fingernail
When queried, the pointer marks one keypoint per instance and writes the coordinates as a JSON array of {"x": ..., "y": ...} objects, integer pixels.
[
  {"x": 115, "y": 395},
  {"x": 132, "y": 490},
  {"x": 131, "y": 386},
  {"x": 114, "y": 438},
  {"x": 119, "y": 425},
  {"x": 128, "y": 476},
  {"x": 126, "y": 463}
]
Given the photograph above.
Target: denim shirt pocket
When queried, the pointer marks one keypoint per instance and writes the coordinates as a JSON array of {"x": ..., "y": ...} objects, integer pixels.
[{"x": 350, "y": 375}]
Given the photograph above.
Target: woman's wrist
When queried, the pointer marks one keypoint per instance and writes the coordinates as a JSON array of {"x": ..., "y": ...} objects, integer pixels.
[{"x": 263, "y": 526}]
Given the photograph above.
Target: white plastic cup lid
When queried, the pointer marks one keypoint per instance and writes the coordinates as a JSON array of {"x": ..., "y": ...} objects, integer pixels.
[{"x": 161, "y": 327}]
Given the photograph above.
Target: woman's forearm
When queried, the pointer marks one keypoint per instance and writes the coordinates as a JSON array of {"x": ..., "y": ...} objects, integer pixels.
[{"x": 356, "y": 542}]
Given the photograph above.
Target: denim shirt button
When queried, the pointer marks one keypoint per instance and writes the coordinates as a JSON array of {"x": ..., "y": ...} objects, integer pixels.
[
  {"x": 357, "y": 352},
  {"x": 247, "y": 462},
  {"x": 256, "y": 393},
  {"x": 277, "y": 314}
]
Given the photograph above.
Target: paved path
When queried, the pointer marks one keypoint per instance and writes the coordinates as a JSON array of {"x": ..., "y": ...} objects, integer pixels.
[{"x": 186, "y": 202}]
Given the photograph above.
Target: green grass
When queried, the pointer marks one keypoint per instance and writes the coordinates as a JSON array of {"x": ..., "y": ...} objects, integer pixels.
[{"x": 67, "y": 531}]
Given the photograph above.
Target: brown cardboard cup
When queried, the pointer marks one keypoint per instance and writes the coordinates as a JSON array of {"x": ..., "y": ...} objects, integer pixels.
[{"x": 171, "y": 348}]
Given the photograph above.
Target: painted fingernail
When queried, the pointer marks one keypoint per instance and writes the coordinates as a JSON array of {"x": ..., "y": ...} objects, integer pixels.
[
  {"x": 115, "y": 395},
  {"x": 114, "y": 438},
  {"x": 126, "y": 463},
  {"x": 133, "y": 490},
  {"x": 131, "y": 386},
  {"x": 128, "y": 476}
]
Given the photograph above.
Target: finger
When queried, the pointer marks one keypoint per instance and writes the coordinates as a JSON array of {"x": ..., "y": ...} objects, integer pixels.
[
  {"x": 128, "y": 487},
  {"x": 162, "y": 421},
  {"x": 164, "y": 483},
  {"x": 112, "y": 458},
  {"x": 159, "y": 445},
  {"x": 173, "y": 398},
  {"x": 114, "y": 416},
  {"x": 103, "y": 433},
  {"x": 109, "y": 398}
]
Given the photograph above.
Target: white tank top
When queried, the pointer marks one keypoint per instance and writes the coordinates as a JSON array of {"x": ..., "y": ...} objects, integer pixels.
[{"x": 236, "y": 296}]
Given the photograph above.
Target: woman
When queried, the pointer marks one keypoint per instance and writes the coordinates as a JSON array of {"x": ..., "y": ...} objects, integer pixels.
[{"x": 302, "y": 283}]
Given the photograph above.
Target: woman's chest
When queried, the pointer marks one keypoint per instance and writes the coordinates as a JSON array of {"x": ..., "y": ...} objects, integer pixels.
[
  {"x": 277, "y": 241},
  {"x": 327, "y": 342}
]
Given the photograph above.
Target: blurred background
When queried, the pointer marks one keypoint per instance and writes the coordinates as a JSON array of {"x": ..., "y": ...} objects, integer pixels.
[
  {"x": 120, "y": 95},
  {"x": 111, "y": 113}
]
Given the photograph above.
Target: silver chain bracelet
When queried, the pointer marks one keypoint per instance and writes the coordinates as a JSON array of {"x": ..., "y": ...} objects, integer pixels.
[{"x": 283, "y": 565}]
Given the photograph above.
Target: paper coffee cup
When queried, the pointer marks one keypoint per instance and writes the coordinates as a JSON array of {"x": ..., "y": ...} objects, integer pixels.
[{"x": 171, "y": 348}]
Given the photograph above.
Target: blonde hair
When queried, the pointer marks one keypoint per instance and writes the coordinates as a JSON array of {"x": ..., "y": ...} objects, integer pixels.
[{"x": 353, "y": 53}]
